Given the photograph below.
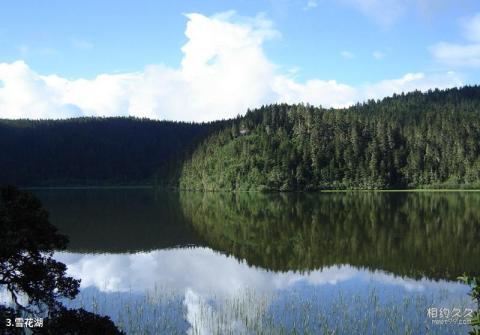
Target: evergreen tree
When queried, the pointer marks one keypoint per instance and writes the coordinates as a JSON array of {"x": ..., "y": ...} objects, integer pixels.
[{"x": 414, "y": 140}]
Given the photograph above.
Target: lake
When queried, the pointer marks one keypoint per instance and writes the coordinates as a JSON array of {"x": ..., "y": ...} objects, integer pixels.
[{"x": 246, "y": 263}]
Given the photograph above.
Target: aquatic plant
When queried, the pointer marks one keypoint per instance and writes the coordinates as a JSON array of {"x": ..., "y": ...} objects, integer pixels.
[{"x": 474, "y": 283}]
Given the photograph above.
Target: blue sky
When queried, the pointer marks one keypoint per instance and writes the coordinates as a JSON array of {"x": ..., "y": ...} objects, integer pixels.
[{"x": 61, "y": 59}]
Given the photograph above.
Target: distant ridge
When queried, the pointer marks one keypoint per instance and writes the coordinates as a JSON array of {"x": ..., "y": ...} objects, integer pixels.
[
  {"x": 414, "y": 140},
  {"x": 91, "y": 151}
]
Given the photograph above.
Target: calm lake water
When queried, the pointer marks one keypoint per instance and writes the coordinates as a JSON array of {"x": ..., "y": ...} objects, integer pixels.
[{"x": 206, "y": 263}]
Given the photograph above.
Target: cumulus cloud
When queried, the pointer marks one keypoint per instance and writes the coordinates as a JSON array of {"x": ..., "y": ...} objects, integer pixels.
[
  {"x": 452, "y": 54},
  {"x": 223, "y": 72},
  {"x": 327, "y": 93},
  {"x": 411, "y": 82},
  {"x": 461, "y": 55},
  {"x": 24, "y": 94}
]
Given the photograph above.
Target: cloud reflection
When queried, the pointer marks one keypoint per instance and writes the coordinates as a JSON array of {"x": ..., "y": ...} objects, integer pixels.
[
  {"x": 206, "y": 271},
  {"x": 201, "y": 275}
]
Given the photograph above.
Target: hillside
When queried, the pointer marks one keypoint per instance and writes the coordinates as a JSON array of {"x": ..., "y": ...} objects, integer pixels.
[
  {"x": 91, "y": 151},
  {"x": 413, "y": 140}
]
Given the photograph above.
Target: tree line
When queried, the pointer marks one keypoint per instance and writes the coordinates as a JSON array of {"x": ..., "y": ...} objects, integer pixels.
[
  {"x": 414, "y": 140},
  {"x": 91, "y": 151}
]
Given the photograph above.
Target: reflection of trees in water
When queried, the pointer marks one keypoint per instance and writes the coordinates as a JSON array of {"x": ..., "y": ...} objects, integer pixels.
[
  {"x": 414, "y": 234},
  {"x": 118, "y": 220}
]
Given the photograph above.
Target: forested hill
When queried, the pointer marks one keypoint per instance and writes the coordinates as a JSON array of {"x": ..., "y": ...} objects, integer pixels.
[
  {"x": 407, "y": 141},
  {"x": 91, "y": 151}
]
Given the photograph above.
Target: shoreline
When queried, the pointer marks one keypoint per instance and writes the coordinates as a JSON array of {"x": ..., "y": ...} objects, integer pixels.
[{"x": 107, "y": 187}]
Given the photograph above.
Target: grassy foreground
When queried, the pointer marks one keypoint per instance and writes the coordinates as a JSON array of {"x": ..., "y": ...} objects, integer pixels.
[{"x": 161, "y": 311}]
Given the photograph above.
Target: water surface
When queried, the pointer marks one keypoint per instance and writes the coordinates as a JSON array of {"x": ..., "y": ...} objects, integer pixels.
[{"x": 202, "y": 263}]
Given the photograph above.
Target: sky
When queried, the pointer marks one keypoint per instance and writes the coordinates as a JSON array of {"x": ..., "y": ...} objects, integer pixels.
[{"x": 204, "y": 60}]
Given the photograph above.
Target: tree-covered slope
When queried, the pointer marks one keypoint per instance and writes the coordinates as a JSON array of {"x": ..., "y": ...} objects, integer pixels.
[
  {"x": 90, "y": 151},
  {"x": 410, "y": 140}
]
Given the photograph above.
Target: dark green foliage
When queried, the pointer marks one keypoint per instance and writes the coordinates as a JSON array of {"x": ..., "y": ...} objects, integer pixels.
[
  {"x": 413, "y": 140},
  {"x": 28, "y": 270},
  {"x": 414, "y": 234},
  {"x": 62, "y": 321},
  {"x": 27, "y": 243},
  {"x": 90, "y": 151},
  {"x": 79, "y": 322},
  {"x": 118, "y": 220},
  {"x": 474, "y": 283}
]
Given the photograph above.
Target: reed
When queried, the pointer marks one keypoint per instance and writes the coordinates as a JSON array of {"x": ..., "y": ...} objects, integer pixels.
[{"x": 166, "y": 311}]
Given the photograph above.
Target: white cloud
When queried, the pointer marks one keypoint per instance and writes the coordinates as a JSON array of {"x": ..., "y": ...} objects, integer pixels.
[
  {"x": 411, "y": 82},
  {"x": 333, "y": 94},
  {"x": 451, "y": 54},
  {"x": 461, "y": 55},
  {"x": 327, "y": 93},
  {"x": 347, "y": 54},
  {"x": 25, "y": 94},
  {"x": 378, "y": 55},
  {"x": 224, "y": 71}
]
